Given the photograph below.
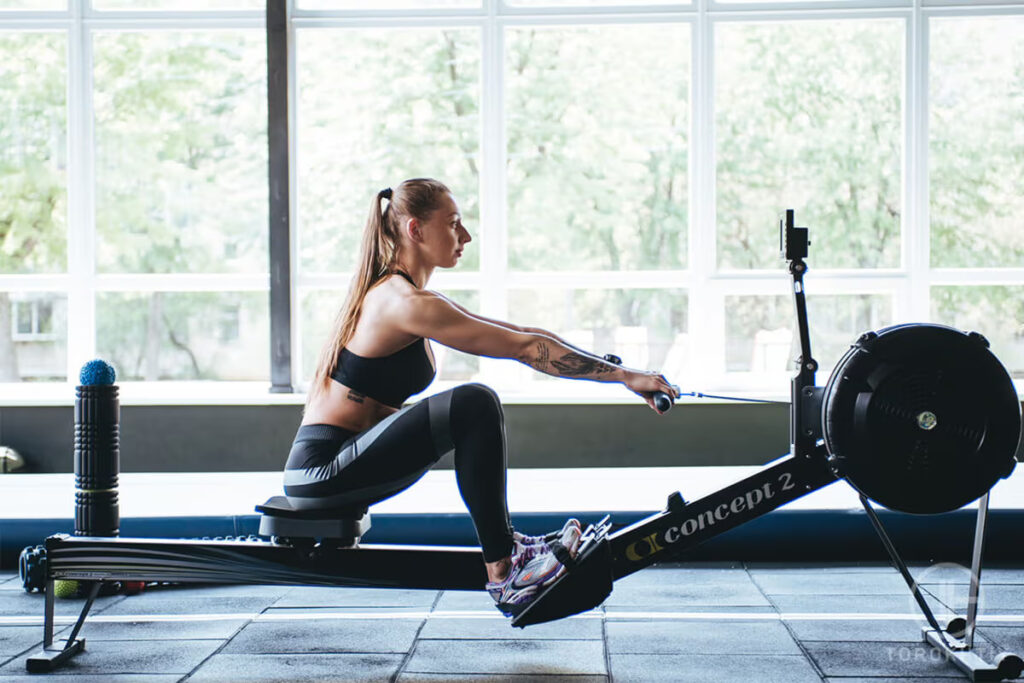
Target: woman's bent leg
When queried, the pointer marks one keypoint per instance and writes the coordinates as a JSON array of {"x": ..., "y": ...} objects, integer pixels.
[
  {"x": 481, "y": 463},
  {"x": 391, "y": 456}
]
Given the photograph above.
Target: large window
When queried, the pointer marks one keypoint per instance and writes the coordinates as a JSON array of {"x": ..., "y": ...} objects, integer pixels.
[{"x": 621, "y": 166}]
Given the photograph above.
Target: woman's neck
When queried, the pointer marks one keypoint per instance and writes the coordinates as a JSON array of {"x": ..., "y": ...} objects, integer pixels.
[{"x": 418, "y": 273}]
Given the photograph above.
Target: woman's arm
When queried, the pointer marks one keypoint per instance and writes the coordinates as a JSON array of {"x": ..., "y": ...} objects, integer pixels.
[
  {"x": 517, "y": 328},
  {"x": 426, "y": 314}
]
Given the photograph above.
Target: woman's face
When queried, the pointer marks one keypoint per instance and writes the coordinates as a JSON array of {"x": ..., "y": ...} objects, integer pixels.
[{"x": 443, "y": 234}]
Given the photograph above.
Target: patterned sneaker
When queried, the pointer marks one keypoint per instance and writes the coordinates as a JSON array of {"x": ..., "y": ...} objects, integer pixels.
[
  {"x": 566, "y": 536},
  {"x": 535, "y": 567}
]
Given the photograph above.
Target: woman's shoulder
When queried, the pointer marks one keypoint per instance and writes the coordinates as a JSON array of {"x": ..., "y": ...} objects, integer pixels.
[
  {"x": 392, "y": 290},
  {"x": 394, "y": 300}
]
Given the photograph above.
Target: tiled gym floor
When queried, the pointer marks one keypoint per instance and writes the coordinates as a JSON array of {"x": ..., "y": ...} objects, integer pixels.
[{"x": 692, "y": 622}]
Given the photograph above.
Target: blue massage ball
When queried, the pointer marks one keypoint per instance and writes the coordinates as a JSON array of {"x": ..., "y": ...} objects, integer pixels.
[{"x": 97, "y": 373}]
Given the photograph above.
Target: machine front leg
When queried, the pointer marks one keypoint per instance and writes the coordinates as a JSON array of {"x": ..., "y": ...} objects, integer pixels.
[{"x": 51, "y": 657}]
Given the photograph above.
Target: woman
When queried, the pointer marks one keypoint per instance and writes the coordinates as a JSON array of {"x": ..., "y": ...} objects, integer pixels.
[{"x": 357, "y": 445}]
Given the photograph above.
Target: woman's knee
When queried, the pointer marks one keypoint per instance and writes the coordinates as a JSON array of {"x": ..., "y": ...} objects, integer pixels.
[{"x": 476, "y": 401}]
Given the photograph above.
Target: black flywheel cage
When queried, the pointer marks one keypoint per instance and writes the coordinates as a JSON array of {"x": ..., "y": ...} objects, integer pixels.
[{"x": 921, "y": 418}]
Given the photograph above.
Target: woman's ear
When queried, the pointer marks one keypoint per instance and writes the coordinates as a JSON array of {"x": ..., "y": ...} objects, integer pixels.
[{"x": 414, "y": 230}]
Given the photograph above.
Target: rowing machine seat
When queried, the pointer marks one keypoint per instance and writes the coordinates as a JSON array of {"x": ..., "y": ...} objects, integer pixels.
[{"x": 345, "y": 526}]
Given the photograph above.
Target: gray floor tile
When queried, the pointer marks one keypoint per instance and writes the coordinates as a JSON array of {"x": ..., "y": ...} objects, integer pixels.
[
  {"x": 96, "y": 678},
  {"x": 1008, "y": 638},
  {"x": 712, "y": 669},
  {"x": 507, "y": 657},
  {"x": 499, "y": 627},
  {"x": 823, "y": 567},
  {"x": 890, "y": 630},
  {"x": 788, "y": 583},
  {"x": 635, "y": 612},
  {"x": 20, "y": 603},
  {"x": 16, "y": 639},
  {"x": 212, "y": 591},
  {"x": 317, "y": 596},
  {"x": 726, "y": 637},
  {"x": 226, "y": 668},
  {"x": 994, "y": 598},
  {"x": 149, "y": 657},
  {"x": 167, "y": 603},
  {"x": 698, "y": 575},
  {"x": 709, "y": 564},
  {"x": 850, "y": 604},
  {"x": 372, "y": 613},
  {"x": 326, "y": 635},
  {"x": 219, "y": 629},
  {"x": 880, "y": 659},
  {"x": 682, "y": 589},
  {"x": 497, "y": 678},
  {"x": 885, "y": 679},
  {"x": 478, "y": 601},
  {"x": 956, "y": 573}
]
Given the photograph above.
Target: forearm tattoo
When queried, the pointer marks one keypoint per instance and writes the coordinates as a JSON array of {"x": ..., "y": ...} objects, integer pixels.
[
  {"x": 577, "y": 365},
  {"x": 571, "y": 364},
  {"x": 355, "y": 396}
]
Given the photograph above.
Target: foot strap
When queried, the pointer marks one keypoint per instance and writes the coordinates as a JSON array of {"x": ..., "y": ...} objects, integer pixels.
[{"x": 563, "y": 555}]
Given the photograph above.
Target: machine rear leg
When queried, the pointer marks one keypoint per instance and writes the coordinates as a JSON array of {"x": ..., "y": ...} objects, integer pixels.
[{"x": 956, "y": 641}]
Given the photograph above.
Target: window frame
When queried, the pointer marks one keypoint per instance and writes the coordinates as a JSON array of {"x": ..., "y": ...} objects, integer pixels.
[{"x": 909, "y": 285}]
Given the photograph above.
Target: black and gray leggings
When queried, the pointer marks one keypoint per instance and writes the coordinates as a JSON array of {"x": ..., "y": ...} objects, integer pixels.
[{"x": 333, "y": 467}]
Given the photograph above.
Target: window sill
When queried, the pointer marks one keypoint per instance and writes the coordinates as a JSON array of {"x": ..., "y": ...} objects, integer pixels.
[{"x": 258, "y": 394}]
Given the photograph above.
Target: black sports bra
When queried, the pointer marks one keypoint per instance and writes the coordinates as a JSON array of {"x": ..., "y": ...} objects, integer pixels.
[{"x": 388, "y": 379}]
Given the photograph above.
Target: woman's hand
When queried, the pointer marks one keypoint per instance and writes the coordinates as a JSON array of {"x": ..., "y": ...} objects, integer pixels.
[{"x": 645, "y": 384}]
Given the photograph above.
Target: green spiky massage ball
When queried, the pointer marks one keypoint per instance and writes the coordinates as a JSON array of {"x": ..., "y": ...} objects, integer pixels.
[{"x": 65, "y": 588}]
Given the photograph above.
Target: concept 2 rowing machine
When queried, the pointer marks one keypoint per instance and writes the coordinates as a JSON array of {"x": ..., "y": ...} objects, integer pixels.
[{"x": 919, "y": 418}]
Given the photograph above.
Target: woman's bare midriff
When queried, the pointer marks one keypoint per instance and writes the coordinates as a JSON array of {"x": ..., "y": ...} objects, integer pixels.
[{"x": 334, "y": 407}]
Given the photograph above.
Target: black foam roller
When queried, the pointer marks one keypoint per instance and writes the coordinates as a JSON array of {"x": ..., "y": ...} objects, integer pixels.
[{"x": 97, "y": 461}]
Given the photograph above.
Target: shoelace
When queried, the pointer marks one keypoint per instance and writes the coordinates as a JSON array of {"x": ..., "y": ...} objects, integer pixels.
[{"x": 521, "y": 554}]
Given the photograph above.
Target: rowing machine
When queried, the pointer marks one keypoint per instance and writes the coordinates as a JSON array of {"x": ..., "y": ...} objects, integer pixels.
[{"x": 919, "y": 418}]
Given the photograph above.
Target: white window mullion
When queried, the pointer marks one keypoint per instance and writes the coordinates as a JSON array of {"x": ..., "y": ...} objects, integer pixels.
[
  {"x": 706, "y": 324},
  {"x": 81, "y": 341},
  {"x": 917, "y": 230},
  {"x": 493, "y": 209}
]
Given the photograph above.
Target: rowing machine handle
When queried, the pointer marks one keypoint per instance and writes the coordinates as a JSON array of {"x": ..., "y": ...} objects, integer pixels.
[{"x": 662, "y": 401}]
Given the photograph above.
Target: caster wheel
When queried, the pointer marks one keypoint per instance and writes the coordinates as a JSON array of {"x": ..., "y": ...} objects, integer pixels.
[
  {"x": 957, "y": 627},
  {"x": 1010, "y": 665}
]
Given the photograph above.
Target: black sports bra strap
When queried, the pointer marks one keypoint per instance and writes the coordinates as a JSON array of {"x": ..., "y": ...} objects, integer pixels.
[{"x": 407, "y": 277}]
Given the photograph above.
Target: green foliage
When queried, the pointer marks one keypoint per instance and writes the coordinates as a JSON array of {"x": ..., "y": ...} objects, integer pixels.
[
  {"x": 808, "y": 116},
  {"x": 406, "y": 104},
  {"x": 976, "y": 142},
  {"x": 33, "y": 163},
  {"x": 184, "y": 335},
  {"x": 181, "y": 152},
  {"x": 598, "y": 123}
]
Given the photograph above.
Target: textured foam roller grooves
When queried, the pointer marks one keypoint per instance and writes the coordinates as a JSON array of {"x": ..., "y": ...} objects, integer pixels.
[{"x": 97, "y": 461}]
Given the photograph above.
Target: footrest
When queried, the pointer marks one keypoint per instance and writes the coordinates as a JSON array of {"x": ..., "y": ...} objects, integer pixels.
[{"x": 584, "y": 587}]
